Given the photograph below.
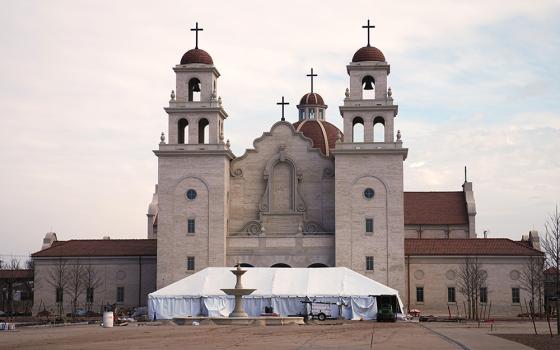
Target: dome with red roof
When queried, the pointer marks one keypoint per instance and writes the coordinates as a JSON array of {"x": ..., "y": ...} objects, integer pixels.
[
  {"x": 322, "y": 133},
  {"x": 312, "y": 98},
  {"x": 196, "y": 55},
  {"x": 368, "y": 53}
]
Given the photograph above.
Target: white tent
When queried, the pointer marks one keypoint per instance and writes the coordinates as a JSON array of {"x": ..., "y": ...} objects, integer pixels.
[{"x": 282, "y": 288}]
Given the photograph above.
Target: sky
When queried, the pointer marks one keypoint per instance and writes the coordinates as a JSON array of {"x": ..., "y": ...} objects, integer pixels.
[{"x": 83, "y": 85}]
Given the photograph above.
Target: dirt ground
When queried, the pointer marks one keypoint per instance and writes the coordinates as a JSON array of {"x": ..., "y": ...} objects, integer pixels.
[
  {"x": 344, "y": 336},
  {"x": 349, "y": 335},
  {"x": 539, "y": 342}
]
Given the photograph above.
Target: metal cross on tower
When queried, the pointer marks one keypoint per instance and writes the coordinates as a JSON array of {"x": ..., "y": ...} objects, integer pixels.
[
  {"x": 368, "y": 27},
  {"x": 196, "y": 30},
  {"x": 311, "y": 75},
  {"x": 282, "y": 104}
]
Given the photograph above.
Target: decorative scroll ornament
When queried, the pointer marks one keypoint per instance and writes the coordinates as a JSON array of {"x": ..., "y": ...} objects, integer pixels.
[
  {"x": 253, "y": 228},
  {"x": 328, "y": 172},
  {"x": 236, "y": 172}
]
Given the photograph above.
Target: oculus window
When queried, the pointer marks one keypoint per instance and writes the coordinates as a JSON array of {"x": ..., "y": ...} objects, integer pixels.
[
  {"x": 369, "y": 193},
  {"x": 190, "y": 194}
]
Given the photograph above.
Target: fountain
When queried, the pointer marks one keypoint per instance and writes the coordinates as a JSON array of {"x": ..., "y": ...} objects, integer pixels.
[
  {"x": 238, "y": 316},
  {"x": 238, "y": 291}
]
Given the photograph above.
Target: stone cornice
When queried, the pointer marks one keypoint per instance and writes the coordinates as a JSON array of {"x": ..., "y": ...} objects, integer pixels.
[
  {"x": 180, "y": 153},
  {"x": 196, "y": 68},
  {"x": 345, "y": 108},
  {"x": 354, "y": 151},
  {"x": 177, "y": 110}
]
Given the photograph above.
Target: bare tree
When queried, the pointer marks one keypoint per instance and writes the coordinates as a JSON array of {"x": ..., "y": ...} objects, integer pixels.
[
  {"x": 532, "y": 279},
  {"x": 551, "y": 246},
  {"x": 11, "y": 268},
  {"x": 470, "y": 278},
  {"x": 75, "y": 286},
  {"x": 58, "y": 278},
  {"x": 91, "y": 281}
]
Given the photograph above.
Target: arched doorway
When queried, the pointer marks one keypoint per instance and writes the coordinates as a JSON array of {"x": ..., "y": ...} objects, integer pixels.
[
  {"x": 317, "y": 265},
  {"x": 280, "y": 265},
  {"x": 243, "y": 265}
]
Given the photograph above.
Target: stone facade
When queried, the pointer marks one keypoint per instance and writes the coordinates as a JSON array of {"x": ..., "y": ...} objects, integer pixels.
[
  {"x": 305, "y": 194},
  {"x": 438, "y": 273},
  {"x": 136, "y": 275}
]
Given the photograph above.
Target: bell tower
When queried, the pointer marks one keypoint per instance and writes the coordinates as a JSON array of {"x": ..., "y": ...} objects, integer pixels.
[
  {"x": 369, "y": 174},
  {"x": 193, "y": 172}
]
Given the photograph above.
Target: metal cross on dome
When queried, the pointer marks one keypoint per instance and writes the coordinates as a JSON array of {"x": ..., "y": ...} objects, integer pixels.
[
  {"x": 368, "y": 27},
  {"x": 283, "y": 104},
  {"x": 311, "y": 75},
  {"x": 196, "y": 30}
]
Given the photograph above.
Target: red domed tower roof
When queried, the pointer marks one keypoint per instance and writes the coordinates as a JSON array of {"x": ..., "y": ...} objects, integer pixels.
[
  {"x": 368, "y": 53},
  {"x": 322, "y": 133},
  {"x": 311, "y": 98},
  {"x": 196, "y": 55}
]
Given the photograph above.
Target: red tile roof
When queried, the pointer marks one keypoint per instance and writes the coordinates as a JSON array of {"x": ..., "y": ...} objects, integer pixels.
[
  {"x": 101, "y": 247},
  {"x": 322, "y": 133},
  {"x": 368, "y": 53},
  {"x": 21, "y": 274},
  {"x": 472, "y": 246},
  {"x": 311, "y": 98},
  {"x": 435, "y": 208},
  {"x": 196, "y": 55}
]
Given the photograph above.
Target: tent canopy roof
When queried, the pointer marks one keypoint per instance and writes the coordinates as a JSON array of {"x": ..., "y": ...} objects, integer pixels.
[{"x": 324, "y": 282}]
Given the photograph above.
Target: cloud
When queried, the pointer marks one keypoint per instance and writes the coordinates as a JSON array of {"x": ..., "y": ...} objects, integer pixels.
[{"x": 83, "y": 86}]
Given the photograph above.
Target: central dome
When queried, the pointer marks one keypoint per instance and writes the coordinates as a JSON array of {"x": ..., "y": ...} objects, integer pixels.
[
  {"x": 311, "y": 98},
  {"x": 196, "y": 56},
  {"x": 368, "y": 53},
  {"x": 322, "y": 133}
]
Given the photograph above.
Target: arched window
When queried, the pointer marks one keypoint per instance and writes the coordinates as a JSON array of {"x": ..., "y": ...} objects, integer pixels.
[
  {"x": 368, "y": 85},
  {"x": 244, "y": 265},
  {"x": 301, "y": 114},
  {"x": 358, "y": 130},
  {"x": 312, "y": 113},
  {"x": 280, "y": 265},
  {"x": 379, "y": 129},
  {"x": 194, "y": 89},
  {"x": 183, "y": 131},
  {"x": 203, "y": 130},
  {"x": 317, "y": 265}
]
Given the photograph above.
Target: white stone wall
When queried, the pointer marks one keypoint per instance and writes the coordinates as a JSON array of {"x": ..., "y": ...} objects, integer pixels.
[
  {"x": 297, "y": 251},
  {"x": 248, "y": 183},
  {"x": 437, "y": 231},
  {"x": 137, "y": 279},
  {"x": 383, "y": 172},
  {"x": 436, "y": 274},
  {"x": 207, "y": 172}
]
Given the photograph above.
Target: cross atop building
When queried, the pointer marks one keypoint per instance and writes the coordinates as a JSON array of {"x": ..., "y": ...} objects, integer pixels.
[
  {"x": 196, "y": 30},
  {"x": 368, "y": 27},
  {"x": 282, "y": 104},
  {"x": 311, "y": 75}
]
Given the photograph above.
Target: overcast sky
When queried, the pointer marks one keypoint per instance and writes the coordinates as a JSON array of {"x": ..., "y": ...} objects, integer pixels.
[{"x": 83, "y": 83}]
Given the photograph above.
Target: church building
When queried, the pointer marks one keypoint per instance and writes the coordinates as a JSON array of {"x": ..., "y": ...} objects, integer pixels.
[{"x": 307, "y": 194}]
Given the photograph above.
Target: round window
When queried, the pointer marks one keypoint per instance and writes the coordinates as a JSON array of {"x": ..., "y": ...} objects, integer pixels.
[
  {"x": 369, "y": 193},
  {"x": 191, "y": 194}
]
